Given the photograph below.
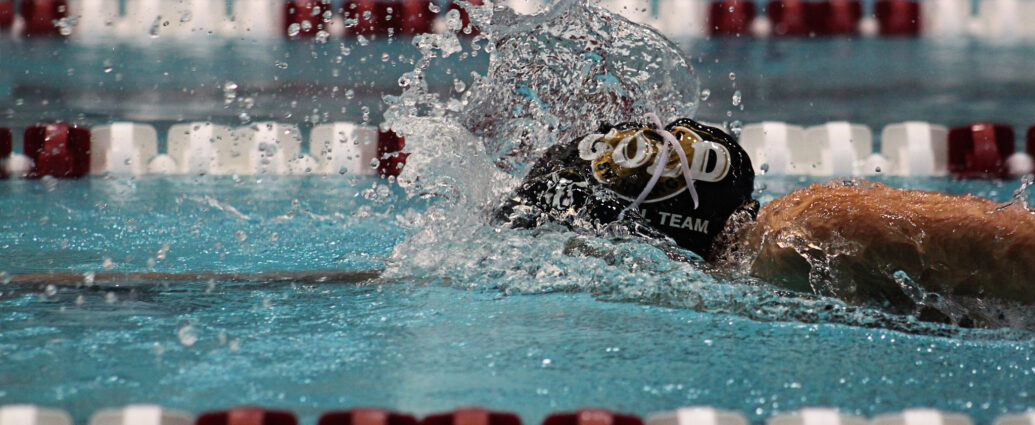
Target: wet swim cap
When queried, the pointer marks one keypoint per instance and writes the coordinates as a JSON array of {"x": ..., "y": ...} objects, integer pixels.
[{"x": 595, "y": 178}]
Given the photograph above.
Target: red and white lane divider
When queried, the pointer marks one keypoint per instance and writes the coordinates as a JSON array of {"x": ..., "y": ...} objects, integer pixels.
[
  {"x": 806, "y": 18},
  {"x": 366, "y": 417},
  {"x": 922, "y": 417},
  {"x": 978, "y": 150},
  {"x": 916, "y": 149},
  {"x": 815, "y": 416},
  {"x": 981, "y": 150},
  {"x": 157, "y": 415},
  {"x": 471, "y": 416},
  {"x": 143, "y": 20},
  {"x": 248, "y": 416},
  {"x": 269, "y": 148},
  {"x": 24, "y": 414},
  {"x": 141, "y": 414},
  {"x": 199, "y": 19},
  {"x": 697, "y": 416},
  {"x": 995, "y": 19}
]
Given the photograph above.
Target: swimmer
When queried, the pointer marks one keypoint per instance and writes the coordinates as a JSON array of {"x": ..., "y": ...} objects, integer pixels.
[
  {"x": 863, "y": 242},
  {"x": 690, "y": 184}
]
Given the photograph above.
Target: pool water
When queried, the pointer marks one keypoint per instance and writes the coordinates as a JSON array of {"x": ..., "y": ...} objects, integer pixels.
[
  {"x": 497, "y": 318},
  {"x": 418, "y": 343}
]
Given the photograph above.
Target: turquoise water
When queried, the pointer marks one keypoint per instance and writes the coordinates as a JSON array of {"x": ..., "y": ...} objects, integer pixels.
[
  {"x": 503, "y": 319},
  {"x": 421, "y": 343}
]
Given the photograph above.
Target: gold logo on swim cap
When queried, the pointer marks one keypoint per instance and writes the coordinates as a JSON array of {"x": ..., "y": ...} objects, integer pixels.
[{"x": 624, "y": 159}]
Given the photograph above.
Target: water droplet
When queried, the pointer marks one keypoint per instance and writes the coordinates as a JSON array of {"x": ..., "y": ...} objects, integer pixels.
[
  {"x": 434, "y": 7},
  {"x": 5, "y": 278},
  {"x": 280, "y": 64},
  {"x": 155, "y": 26},
  {"x": 88, "y": 278},
  {"x": 294, "y": 29},
  {"x": 241, "y": 236},
  {"x": 322, "y": 36},
  {"x": 877, "y": 170},
  {"x": 733, "y": 76},
  {"x": 737, "y": 97},
  {"x": 374, "y": 163},
  {"x": 187, "y": 335},
  {"x": 110, "y": 298},
  {"x": 186, "y": 16},
  {"x": 108, "y": 69},
  {"x": 736, "y": 127},
  {"x": 50, "y": 290},
  {"x": 764, "y": 167},
  {"x": 705, "y": 94},
  {"x": 107, "y": 263}
]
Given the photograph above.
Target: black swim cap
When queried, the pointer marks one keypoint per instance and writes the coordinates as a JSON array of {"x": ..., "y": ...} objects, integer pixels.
[{"x": 596, "y": 177}]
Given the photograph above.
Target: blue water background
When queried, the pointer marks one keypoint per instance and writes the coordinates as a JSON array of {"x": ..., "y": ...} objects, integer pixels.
[{"x": 419, "y": 344}]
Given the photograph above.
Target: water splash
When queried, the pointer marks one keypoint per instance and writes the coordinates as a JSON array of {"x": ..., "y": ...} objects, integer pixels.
[{"x": 551, "y": 77}]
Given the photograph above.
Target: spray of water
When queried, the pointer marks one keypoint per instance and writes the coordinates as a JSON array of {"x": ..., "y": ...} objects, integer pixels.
[{"x": 551, "y": 77}]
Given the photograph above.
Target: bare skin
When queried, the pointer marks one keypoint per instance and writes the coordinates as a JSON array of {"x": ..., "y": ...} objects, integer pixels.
[{"x": 959, "y": 245}]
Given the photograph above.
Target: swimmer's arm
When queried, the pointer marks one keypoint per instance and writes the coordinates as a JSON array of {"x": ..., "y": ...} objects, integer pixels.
[{"x": 949, "y": 244}]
